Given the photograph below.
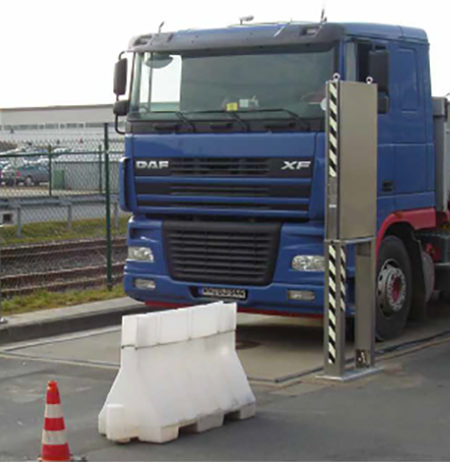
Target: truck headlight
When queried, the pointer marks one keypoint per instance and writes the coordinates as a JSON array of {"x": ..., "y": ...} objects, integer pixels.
[
  {"x": 308, "y": 263},
  {"x": 144, "y": 284},
  {"x": 141, "y": 254},
  {"x": 302, "y": 295}
]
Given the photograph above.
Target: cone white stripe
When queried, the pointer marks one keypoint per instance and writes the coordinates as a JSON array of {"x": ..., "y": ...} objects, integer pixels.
[
  {"x": 54, "y": 438},
  {"x": 53, "y": 411}
]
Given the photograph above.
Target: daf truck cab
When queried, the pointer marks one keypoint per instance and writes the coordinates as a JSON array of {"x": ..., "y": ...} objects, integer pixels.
[{"x": 224, "y": 166}]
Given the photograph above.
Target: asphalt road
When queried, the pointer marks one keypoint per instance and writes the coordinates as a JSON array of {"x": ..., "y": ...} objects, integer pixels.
[{"x": 402, "y": 413}]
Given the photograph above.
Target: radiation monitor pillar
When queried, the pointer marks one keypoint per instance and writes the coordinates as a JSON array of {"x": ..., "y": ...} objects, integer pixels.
[{"x": 350, "y": 224}]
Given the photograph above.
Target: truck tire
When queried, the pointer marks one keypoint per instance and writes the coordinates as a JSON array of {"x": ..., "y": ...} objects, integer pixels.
[
  {"x": 394, "y": 288},
  {"x": 445, "y": 296}
]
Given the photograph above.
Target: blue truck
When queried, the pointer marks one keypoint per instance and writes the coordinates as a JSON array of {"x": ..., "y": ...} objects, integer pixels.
[{"x": 224, "y": 166}]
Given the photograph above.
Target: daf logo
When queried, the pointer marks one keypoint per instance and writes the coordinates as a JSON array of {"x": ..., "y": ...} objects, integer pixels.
[
  {"x": 152, "y": 164},
  {"x": 295, "y": 164}
]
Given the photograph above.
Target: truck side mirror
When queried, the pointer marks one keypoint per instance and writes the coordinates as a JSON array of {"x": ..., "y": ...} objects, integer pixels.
[
  {"x": 120, "y": 77},
  {"x": 120, "y": 108},
  {"x": 379, "y": 69}
]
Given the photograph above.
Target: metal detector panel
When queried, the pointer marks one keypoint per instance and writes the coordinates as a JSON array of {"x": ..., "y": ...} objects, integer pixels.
[{"x": 354, "y": 213}]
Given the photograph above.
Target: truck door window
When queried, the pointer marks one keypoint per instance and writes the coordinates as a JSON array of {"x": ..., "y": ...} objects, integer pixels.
[
  {"x": 409, "y": 92},
  {"x": 364, "y": 63},
  {"x": 350, "y": 61}
]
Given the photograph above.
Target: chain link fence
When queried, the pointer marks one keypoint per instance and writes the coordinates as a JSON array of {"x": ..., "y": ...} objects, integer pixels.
[{"x": 62, "y": 227}]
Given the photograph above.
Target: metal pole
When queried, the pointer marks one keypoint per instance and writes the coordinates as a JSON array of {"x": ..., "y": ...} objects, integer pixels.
[
  {"x": 335, "y": 305},
  {"x": 19, "y": 220},
  {"x": 116, "y": 215},
  {"x": 109, "y": 279},
  {"x": 365, "y": 284},
  {"x": 100, "y": 174},
  {"x": 50, "y": 173},
  {"x": 335, "y": 256},
  {"x": 350, "y": 218},
  {"x": 69, "y": 215}
]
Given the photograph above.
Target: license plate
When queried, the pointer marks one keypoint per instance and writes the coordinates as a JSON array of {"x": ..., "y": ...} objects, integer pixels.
[{"x": 218, "y": 292}]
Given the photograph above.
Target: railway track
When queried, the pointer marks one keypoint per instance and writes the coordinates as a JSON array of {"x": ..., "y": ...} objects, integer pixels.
[
  {"x": 59, "y": 266},
  {"x": 55, "y": 250}
]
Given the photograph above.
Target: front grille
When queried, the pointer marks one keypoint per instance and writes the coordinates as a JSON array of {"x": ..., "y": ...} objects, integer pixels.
[
  {"x": 221, "y": 253},
  {"x": 264, "y": 186},
  {"x": 224, "y": 166},
  {"x": 220, "y": 190},
  {"x": 301, "y": 190}
]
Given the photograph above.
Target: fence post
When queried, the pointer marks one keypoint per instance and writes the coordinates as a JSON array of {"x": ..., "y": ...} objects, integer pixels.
[
  {"x": 19, "y": 220},
  {"x": 100, "y": 173},
  {"x": 109, "y": 281},
  {"x": 50, "y": 175},
  {"x": 116, "y": 215},
  {"x": 69, "y": 215}
]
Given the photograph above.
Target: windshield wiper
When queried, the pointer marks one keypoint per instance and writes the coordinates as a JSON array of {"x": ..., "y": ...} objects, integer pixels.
[
  {"x": 293, "y": 115},
  {"x": 180, "y": 116},
  {"x": 232, "y": 114}
]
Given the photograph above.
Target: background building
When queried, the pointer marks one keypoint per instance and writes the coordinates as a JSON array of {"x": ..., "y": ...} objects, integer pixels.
[{"x": 54, "y": 125}]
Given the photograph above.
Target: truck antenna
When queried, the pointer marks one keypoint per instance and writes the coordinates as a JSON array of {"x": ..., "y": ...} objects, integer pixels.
[
  {"x": 160, "y": 27},
  {"x": 246, "y": 19},
  {"x": 323, "y": 16}
]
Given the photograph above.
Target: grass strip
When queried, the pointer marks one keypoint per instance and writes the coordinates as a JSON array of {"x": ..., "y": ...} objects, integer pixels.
[
  {"x": 43, "y": 299},
  {"x": 58, "y": 231}
]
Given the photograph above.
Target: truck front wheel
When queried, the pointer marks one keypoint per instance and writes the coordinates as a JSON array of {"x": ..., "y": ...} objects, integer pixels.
[{"x": 394, "y": 283}]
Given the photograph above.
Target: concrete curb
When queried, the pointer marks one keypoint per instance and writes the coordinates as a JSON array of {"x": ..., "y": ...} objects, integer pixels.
[{"x": 58, "y": 321}]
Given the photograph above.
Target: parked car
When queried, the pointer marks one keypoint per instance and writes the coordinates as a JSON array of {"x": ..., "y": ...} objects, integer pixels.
[
  {"x": 3, "y": 165},
  {"x": 29, "y": 174}
]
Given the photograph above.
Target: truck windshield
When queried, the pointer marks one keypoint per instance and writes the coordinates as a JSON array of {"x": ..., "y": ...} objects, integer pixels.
[{"x": 248, "y": 84}]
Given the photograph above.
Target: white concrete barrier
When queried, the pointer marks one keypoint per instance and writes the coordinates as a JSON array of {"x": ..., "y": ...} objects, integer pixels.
[{"x": 177, "y": 369}]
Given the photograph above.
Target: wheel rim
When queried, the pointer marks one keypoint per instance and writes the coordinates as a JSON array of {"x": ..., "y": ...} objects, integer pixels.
[{"x": 391, "y": 288}]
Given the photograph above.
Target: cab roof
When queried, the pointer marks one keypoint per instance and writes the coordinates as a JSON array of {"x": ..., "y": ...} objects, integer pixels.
[{"x": 271, "y": 34}]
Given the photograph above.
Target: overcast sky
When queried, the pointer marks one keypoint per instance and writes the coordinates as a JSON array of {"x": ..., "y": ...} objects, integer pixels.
[{"x": 56, "y": 52}]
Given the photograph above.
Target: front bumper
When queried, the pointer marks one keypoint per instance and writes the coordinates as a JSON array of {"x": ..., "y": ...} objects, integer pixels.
[{"x": 272, "y": 298}]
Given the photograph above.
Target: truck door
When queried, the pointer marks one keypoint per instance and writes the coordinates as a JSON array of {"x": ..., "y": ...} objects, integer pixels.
[
  {"x": 409, "y": 129},
  {"x": 357, "y": 69}
]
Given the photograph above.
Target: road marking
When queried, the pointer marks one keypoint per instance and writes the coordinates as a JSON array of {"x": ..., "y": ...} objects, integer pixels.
[
  {"x": 13, "y": 350},
  {"x": 59, "y": 338},
  {"x": 66, "y": 362}
]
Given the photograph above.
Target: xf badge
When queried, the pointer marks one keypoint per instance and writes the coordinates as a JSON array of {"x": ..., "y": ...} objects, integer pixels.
[{"x": 295, "y": 164}]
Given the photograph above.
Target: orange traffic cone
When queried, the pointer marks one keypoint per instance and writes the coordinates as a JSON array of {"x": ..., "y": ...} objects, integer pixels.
[{"x": 54, "y": 440}]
